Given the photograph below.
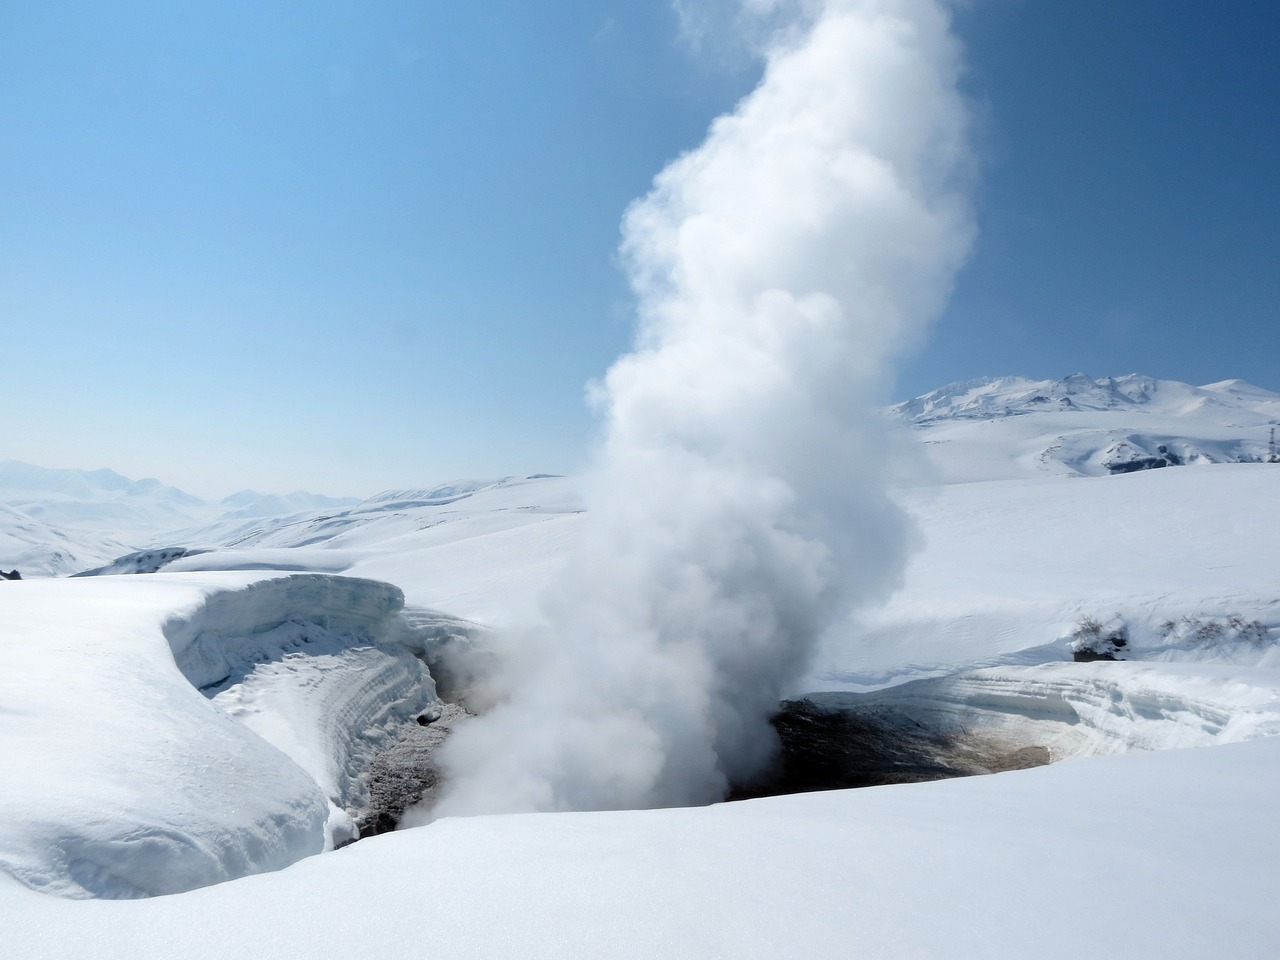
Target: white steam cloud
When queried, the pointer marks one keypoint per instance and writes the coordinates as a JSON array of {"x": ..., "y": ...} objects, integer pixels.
[{"x": 740, "y": 503}]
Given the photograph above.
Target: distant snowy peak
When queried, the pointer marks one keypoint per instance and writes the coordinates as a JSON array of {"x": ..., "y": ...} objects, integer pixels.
[
  {"x": 1004, "y": 427},
  {"x": 990, "y": 398},
  {"x": 91, "y": 502},
  {"x": 24, "y": 480},
  {"x": 250, "y": 503}
]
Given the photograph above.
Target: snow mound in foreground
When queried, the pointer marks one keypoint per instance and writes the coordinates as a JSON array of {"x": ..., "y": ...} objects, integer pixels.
[{"x": 133, "y": 782}]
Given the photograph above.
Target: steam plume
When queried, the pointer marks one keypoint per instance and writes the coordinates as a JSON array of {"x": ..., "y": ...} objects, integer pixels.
[{"x": 739, "y": 504}]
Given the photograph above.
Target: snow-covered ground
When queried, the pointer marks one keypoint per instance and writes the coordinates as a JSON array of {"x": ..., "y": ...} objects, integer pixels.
[
  {"x": 1010, "y": 567},
  {"x": 209, "y": 722},
  {"x": 1160, "y": 855}
]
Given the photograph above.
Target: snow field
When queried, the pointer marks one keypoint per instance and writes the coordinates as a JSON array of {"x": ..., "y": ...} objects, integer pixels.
[{"x": 1008, "y": 569}]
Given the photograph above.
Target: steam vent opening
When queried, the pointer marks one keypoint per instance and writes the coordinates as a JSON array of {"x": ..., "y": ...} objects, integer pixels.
[
  {"x": 830, "y": 748},
  {"x": 826, "y": 742}
]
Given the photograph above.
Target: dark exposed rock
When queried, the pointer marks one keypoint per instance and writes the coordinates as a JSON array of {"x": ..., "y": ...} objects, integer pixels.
[
  {"x": 1092, "y": 656},
  {"x": 835, "y": 749},
  {"x": 822, "y": 748},
  {"x": 13, "y": 575},
  {"x": 406, "y": 773},
  {"x": 1163, "y": 457}
]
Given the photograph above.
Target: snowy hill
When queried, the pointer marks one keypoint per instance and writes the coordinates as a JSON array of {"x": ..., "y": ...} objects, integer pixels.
[
  {"x": 250, "y": 503},
  {"x": 59, "y": 522},
  {"x": 86, "y": 518},
  {"x": 996, "y": 428},
  {"x": 39, "y": 549},
  {"x": 479, "y": 549}
]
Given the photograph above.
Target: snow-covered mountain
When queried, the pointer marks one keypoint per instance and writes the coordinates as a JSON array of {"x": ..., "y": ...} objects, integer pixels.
[{"x": 1003, "y": 427}]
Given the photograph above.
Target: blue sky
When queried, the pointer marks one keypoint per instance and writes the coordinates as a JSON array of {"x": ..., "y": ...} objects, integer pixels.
[
  {"x": 348, "y": 246},
  {"x": 1130, "y": 208}
]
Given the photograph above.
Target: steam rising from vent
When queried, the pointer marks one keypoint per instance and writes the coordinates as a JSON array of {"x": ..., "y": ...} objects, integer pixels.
[{"x": 739, "y": 505}]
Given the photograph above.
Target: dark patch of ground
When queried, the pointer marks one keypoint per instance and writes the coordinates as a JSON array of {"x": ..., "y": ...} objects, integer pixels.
[
  {"x": 823, "y": 748},
  {"x": 830, "y": 749},
  {"x": 405, "y": 773}
]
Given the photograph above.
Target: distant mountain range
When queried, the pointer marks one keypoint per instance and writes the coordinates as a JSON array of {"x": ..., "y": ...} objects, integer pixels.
[
  {"x": 59, "y": 522},
  {"x": 991, "y": 397}
]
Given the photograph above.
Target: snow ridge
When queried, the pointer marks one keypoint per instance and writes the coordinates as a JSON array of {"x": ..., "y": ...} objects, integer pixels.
[
  {"x": 992, "y": 397},
  {"x": 1006, "y": 427}
]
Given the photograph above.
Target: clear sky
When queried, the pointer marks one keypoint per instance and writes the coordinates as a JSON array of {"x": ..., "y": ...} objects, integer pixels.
[{"x": 348, "y": 246}]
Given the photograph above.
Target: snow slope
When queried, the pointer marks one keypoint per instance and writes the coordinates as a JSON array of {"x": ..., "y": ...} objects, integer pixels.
[
  {"x": 37, "y": 549},
  {"x": 480, "y": 550},
  {"x": 998, "y": 428},
  {"x": 1008, "y": 568}
]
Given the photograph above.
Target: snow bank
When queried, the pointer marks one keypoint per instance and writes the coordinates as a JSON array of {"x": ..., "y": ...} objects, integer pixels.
[
  {"x": 319, "y": 667},
  {"x": 126, "y": 781},
  {"x": 235, "y": 629}
]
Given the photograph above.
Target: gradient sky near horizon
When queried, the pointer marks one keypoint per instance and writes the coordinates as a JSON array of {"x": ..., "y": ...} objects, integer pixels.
[{"x": 347, "y": 247}]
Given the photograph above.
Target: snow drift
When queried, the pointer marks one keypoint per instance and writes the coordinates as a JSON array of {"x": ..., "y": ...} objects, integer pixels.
[{"x": 134, "y": 782}]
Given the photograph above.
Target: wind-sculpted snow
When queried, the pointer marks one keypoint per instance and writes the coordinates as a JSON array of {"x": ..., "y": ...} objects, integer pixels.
[
  {"x": 129, "y": 781},
  {"x": 236, "y": 629},
  {"x": 315, "y": 665}
]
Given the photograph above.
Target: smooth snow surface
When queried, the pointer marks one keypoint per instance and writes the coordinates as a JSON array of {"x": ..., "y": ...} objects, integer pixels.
[
  {"x": 1163, "y": 855},
  {"x": 1009, "y": 568}
]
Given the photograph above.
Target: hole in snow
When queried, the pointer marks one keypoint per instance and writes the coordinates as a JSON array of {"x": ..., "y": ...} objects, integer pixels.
[{"x": 829, "y": 747}]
